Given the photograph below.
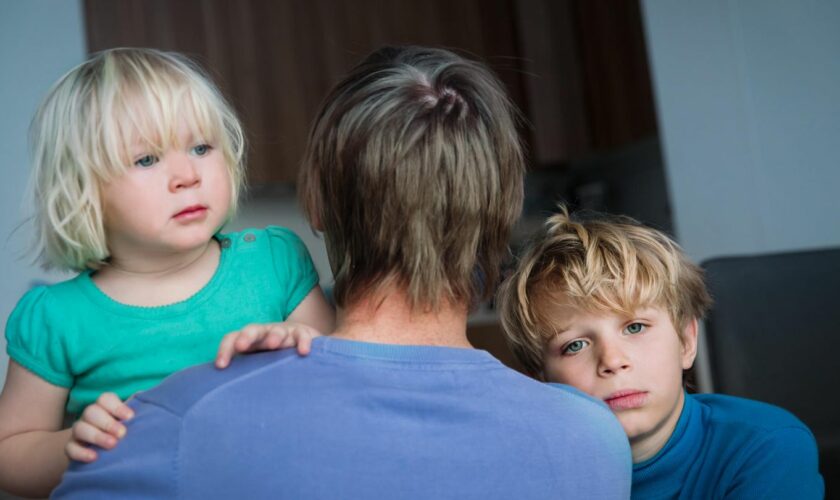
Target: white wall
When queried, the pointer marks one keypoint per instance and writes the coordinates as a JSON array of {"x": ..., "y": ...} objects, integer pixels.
[
  {"x": 39, "y": 41},
  {"x": 748, "y": 97}
]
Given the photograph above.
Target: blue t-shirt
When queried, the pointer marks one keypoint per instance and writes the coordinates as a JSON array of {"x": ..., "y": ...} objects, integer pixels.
[
  {"x": 361, "y": 420},
  {"x": 728, "y": 447}
]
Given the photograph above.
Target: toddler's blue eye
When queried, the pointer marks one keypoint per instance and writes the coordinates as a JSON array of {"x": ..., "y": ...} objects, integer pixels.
[
  {"x": 635, "y": 328},
  {"x": 575, "y": 346},
  {"x": 201, "y": 149},
  {"x": 146, "y": 161}
]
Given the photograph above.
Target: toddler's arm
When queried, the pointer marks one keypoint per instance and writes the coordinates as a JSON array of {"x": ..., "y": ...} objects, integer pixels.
[
  {"x": 32, "y": 443},
  {"x": 312, "y": 317}
]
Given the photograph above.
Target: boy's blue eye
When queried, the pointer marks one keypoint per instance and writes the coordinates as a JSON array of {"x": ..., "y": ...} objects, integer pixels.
[
  {"x": 634, "y": 328},
  {"x": 146, "y": 161},
  {"x": 575, "y": 346},
  {"x": 201, "y": 149}
]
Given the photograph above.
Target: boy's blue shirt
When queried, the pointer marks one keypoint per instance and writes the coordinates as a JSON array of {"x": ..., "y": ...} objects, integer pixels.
[{"x": 729, "y": 447}]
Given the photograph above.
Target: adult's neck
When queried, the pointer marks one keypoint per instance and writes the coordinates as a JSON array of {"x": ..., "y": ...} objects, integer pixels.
[{"x": 387, "y": 318}]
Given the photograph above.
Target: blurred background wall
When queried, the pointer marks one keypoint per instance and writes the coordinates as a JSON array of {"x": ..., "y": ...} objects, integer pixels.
[
  {"x": 748, "y": 99},
  {"x": 713, "y": 120}
]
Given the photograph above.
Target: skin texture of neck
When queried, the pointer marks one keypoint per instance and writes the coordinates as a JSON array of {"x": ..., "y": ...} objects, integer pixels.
[
  {"x": 159, "y": 265},
  {"x": 387, "y": 318},
  {"x": 645, "y": 447},
  {"x": 159, "y": 281}
]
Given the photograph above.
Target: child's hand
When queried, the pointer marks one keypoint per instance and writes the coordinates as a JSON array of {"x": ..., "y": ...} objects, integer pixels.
[
  {"x": 100, "y": 425},
  {"x": 266, "y": 337}
]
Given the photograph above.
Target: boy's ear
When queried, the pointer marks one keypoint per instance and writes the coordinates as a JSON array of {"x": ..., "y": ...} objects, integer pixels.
[{"x": 689, "y": 344}]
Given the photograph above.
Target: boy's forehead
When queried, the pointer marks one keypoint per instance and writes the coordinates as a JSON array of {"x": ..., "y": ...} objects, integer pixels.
[{"x": 563, "y": 316}]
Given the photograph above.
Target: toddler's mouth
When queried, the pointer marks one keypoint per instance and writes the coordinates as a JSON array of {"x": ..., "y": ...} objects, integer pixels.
[{"x": 191, "y": 213}]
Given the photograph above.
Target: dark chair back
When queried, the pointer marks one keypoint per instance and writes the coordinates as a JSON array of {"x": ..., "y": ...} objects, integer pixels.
[{"x": 774, "y": 335}]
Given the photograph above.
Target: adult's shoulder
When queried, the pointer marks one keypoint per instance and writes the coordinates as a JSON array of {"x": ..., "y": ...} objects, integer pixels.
[
  {"x": 592, "y": 411},
  {"x": 567, "y": 410},
  {"x": 183, "y": 390}
]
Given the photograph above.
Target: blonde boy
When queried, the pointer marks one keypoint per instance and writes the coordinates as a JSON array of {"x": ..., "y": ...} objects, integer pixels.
[{"x": 611, "y": 307}]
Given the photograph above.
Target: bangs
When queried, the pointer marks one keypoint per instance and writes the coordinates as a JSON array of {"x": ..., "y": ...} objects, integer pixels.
[
  {"x": 607, "y": 279},
  {"x": 147, "y": 110},
  {"x": 95, "y": 118}
]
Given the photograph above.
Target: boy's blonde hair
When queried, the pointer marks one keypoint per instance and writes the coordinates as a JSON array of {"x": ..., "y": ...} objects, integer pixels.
[
  {"x": 83, "y": 132},
  {"x": 608, "y": 264},
  {"x": 413, "y": 171}
]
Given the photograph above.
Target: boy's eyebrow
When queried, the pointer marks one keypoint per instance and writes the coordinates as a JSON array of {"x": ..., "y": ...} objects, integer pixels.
[{"x": 561, "y": 330}]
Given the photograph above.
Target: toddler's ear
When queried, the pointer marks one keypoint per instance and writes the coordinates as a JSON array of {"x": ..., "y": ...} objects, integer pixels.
[{"x": 689, "y": 344}]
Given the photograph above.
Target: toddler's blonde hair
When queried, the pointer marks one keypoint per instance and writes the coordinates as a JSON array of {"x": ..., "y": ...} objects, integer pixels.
[{"x": 83, "y": 131}]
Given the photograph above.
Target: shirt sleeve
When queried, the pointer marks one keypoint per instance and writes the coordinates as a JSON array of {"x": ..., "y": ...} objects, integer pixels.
[
  {"x": 293, "y": 265},
  {"x": 782, "y": 465},
  {"x": 143, "y": 464},
  {"x": 34, "y": 338}
]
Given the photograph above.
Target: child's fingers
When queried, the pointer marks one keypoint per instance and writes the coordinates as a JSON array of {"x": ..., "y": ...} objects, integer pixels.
[
  {"x": 251, "y": 336},
  {"x": 76, "y": 451},
  {"x": 305, "y": 344},
  {"x": 99, "y": 418},
  {"x": 115, "y": 406},
  {"x": 84, "y": 432},
  {"x": 271, "y": 336},
  {"x": 298, "y": 335},
  {"x": 226, "y": 350}
]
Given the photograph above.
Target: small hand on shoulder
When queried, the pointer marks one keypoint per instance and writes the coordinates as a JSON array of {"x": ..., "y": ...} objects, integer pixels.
[
  {"x": 100, "y": 425},
  {"x": 266, "y": 337}
]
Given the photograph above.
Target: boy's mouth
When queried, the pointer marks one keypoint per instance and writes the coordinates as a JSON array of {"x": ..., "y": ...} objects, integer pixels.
[{"x": 626, "y": 399}]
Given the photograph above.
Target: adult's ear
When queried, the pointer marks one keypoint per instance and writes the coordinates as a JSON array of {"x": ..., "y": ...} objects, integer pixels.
[{"x": 689, "y": 344}]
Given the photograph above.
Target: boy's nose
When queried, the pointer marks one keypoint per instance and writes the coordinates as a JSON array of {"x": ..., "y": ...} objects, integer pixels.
[
  {"x": 183, "y": 173},
  {"x": 612, "y": 360}
]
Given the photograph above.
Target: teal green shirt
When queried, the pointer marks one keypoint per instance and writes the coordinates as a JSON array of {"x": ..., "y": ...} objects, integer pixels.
[{"x": 74, "y": 336}]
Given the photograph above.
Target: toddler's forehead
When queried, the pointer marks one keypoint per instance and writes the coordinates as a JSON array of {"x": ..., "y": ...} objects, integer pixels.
[{"x": 150, "y": 131}]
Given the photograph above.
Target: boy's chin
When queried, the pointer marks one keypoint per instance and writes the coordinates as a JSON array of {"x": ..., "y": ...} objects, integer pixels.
[{"x": 634, "y": 426}]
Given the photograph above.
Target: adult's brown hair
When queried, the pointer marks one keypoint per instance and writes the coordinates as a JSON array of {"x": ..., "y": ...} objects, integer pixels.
[{"x": 413, "y": 171}]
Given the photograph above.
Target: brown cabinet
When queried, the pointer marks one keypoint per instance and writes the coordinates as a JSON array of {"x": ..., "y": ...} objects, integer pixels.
[
  {"x": 275, "y": 60},
  {"x": 576, "y": 67},
  {"x": 588, "y": 81}
]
